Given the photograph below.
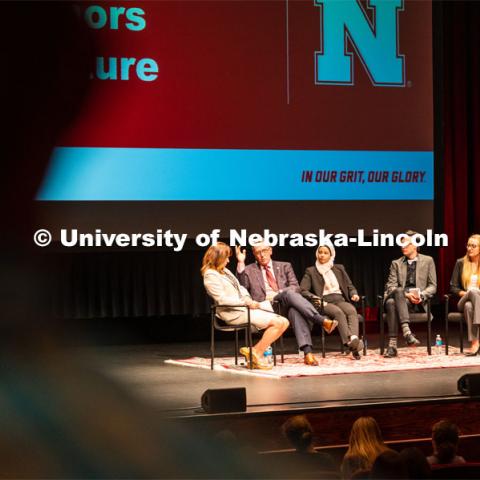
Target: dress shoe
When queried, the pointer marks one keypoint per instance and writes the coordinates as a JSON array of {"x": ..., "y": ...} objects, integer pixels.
[
  {"x": 391, "y": 352},
  {"x": 353, "y": 344},
  {"x": 329, "y": 325},
  {"x": 411, "y": 340},
  {"x": 310, "y": 360}
]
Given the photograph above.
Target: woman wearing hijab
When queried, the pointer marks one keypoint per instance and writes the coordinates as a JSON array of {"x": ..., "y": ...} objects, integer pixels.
[{"x": 330, "y": 284}]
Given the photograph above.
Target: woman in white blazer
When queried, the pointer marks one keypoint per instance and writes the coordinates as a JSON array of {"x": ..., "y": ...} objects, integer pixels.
[{"x": 224, "y": 288}]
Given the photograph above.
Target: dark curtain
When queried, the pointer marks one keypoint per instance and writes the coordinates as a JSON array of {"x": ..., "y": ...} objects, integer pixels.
[
  {"x": 161, "y": 283},
  {"x": 460, "y": 46}
]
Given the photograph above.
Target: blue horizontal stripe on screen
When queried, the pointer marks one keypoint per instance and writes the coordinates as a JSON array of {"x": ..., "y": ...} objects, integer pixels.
[{"x": 84, "y": 173}]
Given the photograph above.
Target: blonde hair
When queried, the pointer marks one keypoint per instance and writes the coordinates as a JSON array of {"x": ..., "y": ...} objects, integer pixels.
[
  {"x": 365, "y": 442},
  {"x": 469, "y": 267},
  {"x": 215, "y": 256}
]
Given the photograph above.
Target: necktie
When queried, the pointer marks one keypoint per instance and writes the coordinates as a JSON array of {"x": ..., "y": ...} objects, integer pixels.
[{"x": 271, "y": 279}]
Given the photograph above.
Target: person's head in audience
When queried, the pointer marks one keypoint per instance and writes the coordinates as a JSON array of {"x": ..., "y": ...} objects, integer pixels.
[
  {"x": 216, "y": 257},
  {"x": 299, "y": 433},
  {"x": 389, "y": 465},
  {"x": 445, "y": 443},
  {"x": 416, "y": 463},
  {"x": 365, "y": 442}
]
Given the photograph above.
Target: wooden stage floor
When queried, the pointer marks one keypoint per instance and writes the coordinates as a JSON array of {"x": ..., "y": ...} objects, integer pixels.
[{"x": 141, "y": 370}]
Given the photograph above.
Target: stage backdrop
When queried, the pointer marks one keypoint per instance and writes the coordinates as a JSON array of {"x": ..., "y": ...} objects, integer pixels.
[{"x": 240, "y": 114}]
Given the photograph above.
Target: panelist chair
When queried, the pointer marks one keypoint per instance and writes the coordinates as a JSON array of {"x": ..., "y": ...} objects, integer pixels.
[
  {"x": 455, "y": 317},
  {"x": 421, "y": 317},
  {"x": 217, "y": 323},
  {"x": 361, "y": 321}
]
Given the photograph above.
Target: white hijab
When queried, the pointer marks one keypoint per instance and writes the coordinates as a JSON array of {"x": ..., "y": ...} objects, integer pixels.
[{"x": 323, "y": 268}]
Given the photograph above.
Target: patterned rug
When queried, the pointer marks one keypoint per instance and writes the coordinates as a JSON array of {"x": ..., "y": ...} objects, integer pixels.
[{"x": 336, "y": 363}]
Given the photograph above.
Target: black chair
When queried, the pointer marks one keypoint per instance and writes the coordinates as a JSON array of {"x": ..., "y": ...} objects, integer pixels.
[
  {"x": 361, "y": 320},
  {"x": 456, "y": 317},
  {"x": 218, "y": 324},
  {"x": 421, "y": 317}
]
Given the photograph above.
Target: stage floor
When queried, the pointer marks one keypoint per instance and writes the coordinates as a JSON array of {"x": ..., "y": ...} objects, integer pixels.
[{"x": 141, "y": 370}]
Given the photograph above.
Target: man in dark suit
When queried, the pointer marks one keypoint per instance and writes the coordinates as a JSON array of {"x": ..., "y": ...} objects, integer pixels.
[
  {"x": 268, "y": 280},
  {"x": 412, "y": 280}
]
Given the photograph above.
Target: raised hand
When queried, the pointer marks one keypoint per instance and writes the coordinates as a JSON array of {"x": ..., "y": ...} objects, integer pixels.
[{"x": 241, "y": 254}]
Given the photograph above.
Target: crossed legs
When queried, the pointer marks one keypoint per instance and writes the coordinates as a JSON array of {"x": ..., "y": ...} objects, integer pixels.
[{"x": 469, "y": 304}]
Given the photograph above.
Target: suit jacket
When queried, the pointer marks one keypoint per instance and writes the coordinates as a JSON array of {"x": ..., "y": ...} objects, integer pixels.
[
  {"x": 456, "y": 284},
  {"x": 425, "y": 276},
  {"x": 224, "y": 292},
  {"x": 313, "y": 283},
  {"x": 252, "y": 279}
]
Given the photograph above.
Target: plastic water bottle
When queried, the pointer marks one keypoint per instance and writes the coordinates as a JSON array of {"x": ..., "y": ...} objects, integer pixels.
[
  {"x": 268, "y": 356},
  {"x": 438, "y": 345}
]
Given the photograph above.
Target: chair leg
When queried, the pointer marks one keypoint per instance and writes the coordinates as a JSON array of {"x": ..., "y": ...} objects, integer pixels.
[
  {"x": 429, "y": 330},
  {"x": 446, "y": 326},
  {"x": 382, "y": 328},
  {"x": 364, "y": 336},
  {"x": 212, "y": 344},
  {"x": 236, "y": 347},
  {"x": 323, "y": 343},
  {"x": 281, "y": 347},
  {"x": 250, "y": 343},
  {"x": 461, "y": 334},
  {"x": 274, "y": 353}
]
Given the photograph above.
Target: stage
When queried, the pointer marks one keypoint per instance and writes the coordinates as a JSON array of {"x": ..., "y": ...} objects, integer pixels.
[
  {"x": 405, "y": 403},
  {"x": 142, "y": 370}
]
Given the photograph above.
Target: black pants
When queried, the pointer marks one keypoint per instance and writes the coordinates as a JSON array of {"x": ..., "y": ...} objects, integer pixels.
[{"x": 344, "y": 313}]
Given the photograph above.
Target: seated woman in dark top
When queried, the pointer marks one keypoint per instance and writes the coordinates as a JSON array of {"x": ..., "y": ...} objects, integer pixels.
[
  {"x": 465, "y": 284},
  {"x": 332, "y": 284}
]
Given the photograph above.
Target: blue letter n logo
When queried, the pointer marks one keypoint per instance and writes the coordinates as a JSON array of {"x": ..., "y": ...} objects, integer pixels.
[{"x": 376, "y": 43}]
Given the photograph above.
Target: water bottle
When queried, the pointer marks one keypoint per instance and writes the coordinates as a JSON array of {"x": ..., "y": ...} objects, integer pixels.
[
  {"x": 268, "y": 356},
  {"x": 438, "y": 345}
]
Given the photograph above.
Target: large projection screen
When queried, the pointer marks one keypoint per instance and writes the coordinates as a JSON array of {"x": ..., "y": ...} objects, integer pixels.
[{"x": 287, "y": 115}]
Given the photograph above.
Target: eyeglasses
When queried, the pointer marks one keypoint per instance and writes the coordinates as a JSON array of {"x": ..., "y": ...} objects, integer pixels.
[
  {"x": 472, "y": 245},
  {"x": 262, "y": 252}
]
